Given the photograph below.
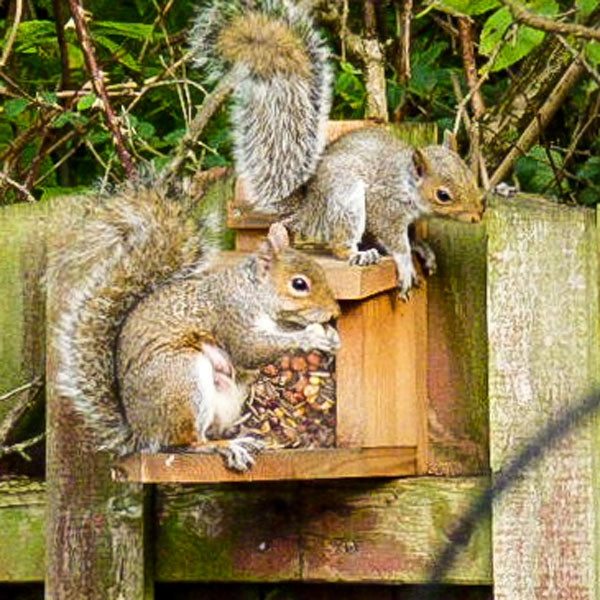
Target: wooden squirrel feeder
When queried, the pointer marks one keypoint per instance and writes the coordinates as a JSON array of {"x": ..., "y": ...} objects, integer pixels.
[{"x": 380, "y": 375}]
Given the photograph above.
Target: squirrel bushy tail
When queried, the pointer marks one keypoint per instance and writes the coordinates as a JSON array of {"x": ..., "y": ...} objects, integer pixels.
[
  {"x": 105, "y": 253},
  {"x": 282, "y": 102}
]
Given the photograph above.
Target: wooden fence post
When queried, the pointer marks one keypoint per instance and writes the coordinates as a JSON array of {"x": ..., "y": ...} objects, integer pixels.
[
  {"x": 21, "y": 334},
  {"x": 95, "y": 527},
  {"x": 543, "y": 359}
]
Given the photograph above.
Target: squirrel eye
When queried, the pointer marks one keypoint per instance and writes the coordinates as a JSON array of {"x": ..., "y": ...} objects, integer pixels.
[
  {"x": 300, "y": 285},
  {"x": 443, "y": 195}
]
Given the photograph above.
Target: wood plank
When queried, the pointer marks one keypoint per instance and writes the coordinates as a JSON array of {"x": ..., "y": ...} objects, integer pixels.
[
  {"x": 21, "y": 315},
  {"x": 261, "y": 532},
  {"x": 22, "y": 526},
  {"x": 352, "y": 531},
  {"x": 380, "y": 370},
  {"x": 543, "y": 359},
  {"x": 280, "y": 465},
  {"x": 348, "y": 282},
  {"x": 456, "y": 440}
]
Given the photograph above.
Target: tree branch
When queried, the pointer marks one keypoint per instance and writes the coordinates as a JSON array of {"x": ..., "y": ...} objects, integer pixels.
[
  {"x": 403, "y": 62},
  {"x": 465, "y": 31},
  {"x": 98, "y": 82},
  {"x": 521, "y": 14}
]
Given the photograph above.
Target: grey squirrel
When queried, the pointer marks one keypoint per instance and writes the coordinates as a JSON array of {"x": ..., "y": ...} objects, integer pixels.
[
  {"x": 367, "y": 185},
  {"x": 153, "y": 347}
]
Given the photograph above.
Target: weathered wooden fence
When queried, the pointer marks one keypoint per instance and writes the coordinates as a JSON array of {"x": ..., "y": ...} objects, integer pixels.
[{"x": 513, "y": 311}]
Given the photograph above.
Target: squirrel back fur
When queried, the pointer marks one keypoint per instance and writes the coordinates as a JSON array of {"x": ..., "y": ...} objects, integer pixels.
[
  {"x": 105, "y": 254},
  {"x": 282, "y": 102}
]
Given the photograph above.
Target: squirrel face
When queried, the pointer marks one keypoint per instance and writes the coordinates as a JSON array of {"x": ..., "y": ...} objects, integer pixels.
[
  {"x": 299, "y": 283},
  {"x": 448, "y": 187}
]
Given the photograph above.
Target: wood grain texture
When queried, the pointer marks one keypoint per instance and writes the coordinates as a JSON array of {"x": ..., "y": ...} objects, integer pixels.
[
  {"x": 22, "y": 526},
  {"x": 355, "y": 531},
  {"x": 381, "y": 532},
  {"x": 456, "y": 439},
  {"x": 543, "y": 357},
  {"x": 280, "y": 465},
  {"x": 380, "y": 371}
]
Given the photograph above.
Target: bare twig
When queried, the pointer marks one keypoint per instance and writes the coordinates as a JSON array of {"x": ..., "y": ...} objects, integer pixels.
[
  {"x": 29, "y": 397},
  {"x": 21, "y": 447},
  {"x": 13, "y": 33},
  {"x": 20, "y": 188},
  {"x": 465, "y": 29},
  {"x": 575, "y": 53},
  {"x": 521, "y": 14},
  {"x": 344, "y": 27},
  {"x": 98, "y": 82},
  {"x": 209, "y": 107},
  {"x": 18, "y": 390},
  {"x": 403, "y": 64}
]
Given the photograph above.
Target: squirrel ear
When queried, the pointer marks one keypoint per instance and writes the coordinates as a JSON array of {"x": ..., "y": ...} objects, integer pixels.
[
  {"x": 276, "y": 241},
  {"x": 450, "y": 141},
  {"x": 420, "y": 163},
  {"x": 278, "y": 238}
]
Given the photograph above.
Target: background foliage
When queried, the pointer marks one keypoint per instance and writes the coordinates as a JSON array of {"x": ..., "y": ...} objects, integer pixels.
[{"x": 53, "y": 131}]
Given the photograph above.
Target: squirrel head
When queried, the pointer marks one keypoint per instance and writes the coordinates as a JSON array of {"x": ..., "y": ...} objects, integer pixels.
[
  {"x": 448, "y": 187},
  {"x": 301, "y": 293}
]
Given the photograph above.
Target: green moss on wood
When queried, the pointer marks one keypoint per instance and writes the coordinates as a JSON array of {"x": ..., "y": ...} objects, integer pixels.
[
  {"x": 359, "y": 531},
  {"x": 22, "y": 526},
  {"x": 457, "y": 356}
]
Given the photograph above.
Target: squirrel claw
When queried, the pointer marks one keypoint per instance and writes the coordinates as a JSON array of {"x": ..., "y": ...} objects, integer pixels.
[
  {"x": 238, "y": 453},
  {"x": 320, "y": 337},
  {"x": 363, "y": 258}
]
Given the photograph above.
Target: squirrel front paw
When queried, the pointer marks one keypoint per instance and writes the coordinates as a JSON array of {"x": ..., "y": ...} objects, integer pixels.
[
  {"x": 319, "y": 337},
  {"x": 238, "y": 453},
  {"x": 407, "y": 275},
  {"x": 363, "y": 258}
]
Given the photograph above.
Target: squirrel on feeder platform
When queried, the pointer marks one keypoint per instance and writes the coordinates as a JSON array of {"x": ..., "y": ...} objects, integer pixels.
[
  {"x": 367, "y": 185},
  {"x": 149, "y": 342}
]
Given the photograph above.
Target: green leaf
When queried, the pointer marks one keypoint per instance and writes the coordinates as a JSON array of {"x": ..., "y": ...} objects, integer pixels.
[
  {"x": 592, "y": 52},
  {"x": 519, "y": 45},
  {"x": 466, "y": 7},
  {"x": 15, "y": 106},
  {"x": 136, "y": 31},
  {"x": 122, "y": 55},
  {"x": 585, "y": 7},
  {"x": 86, "y": 102},
  {"x": 535, "y": 172},
  {"x": 32, "y": 34},
  {"x": 68, "y": 118},
  {"x": 49, "y": 97},
  {"x": 349, "y": 68}
]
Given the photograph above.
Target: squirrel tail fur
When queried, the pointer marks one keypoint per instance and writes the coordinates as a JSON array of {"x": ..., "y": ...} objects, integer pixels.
[
  {"x": 282, "y": 101},
  {"x": 104, "y": 254}
]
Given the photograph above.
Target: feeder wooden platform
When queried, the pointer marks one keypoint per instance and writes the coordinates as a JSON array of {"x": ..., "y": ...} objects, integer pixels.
[{"x": 274, "y": 465}]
